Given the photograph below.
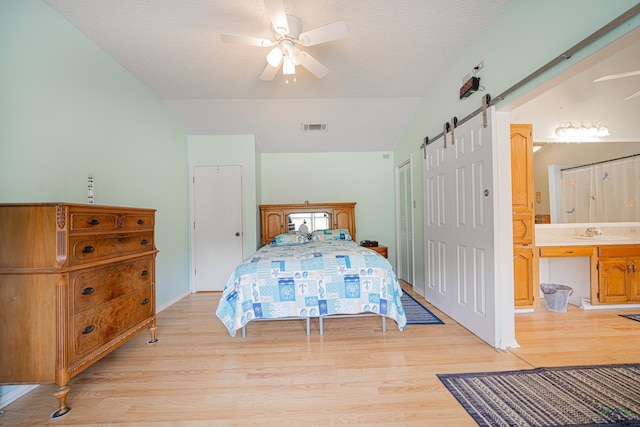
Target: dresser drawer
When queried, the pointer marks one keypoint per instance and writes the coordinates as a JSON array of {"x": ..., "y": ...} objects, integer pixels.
[
  {"x": 84, "y": 221},
  {"x": 94, "y": 286},
  {"x": 137, "y": 221},
  {"x": 95, "y": 327},
  {"x": 105, "y": 221},
  {"x": 85, "y": 249}
]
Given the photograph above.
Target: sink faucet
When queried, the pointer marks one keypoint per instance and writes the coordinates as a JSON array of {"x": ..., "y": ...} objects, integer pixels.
[{"x": 592, "y": 231}]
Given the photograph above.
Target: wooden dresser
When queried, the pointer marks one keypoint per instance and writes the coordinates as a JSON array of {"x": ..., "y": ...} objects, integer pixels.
[
  {"x": 76, "y": 282},
  {"x": 274, "y": 217}
]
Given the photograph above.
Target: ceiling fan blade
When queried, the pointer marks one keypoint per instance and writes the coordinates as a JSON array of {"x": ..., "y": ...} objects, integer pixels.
[
  {"x": 312, "y": 64},
  {"x": 277, "y": 15},
  {"x": 326, "y": 33},
  {"x": 618, "y": 76},
  {"x": 269, "y": 72},
  {"x": 635, "y": 95},
  {"x": 245, "y": 40}
]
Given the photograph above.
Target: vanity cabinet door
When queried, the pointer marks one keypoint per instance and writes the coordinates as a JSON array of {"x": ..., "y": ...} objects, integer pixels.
[
  {"x": 522, "y": 229},
  {"x": 525, "y": 261},
  {"x": 634, "y": 280},
  {"x": 523, "y": 276},
  {"x": 616, "y": 277}
]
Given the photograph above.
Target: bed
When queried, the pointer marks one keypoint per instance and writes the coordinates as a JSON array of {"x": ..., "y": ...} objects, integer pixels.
[{"x": 318, "y": 275}]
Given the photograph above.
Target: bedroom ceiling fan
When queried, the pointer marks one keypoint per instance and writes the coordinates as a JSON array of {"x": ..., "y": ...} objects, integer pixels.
[
  {"x": 286, "y": 51},
  {"x": 620, "y": 76}
]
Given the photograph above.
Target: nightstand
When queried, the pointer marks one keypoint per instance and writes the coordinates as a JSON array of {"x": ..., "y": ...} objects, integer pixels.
[{"x": 382, "y": 250}]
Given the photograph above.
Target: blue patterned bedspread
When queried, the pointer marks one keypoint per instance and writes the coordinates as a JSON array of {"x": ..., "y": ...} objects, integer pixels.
[{"x": 310, "y": 280}]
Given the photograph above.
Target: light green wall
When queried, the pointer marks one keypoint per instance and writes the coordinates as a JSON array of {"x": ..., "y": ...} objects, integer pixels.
[
  {"x": 66, "y": 108},
  {"x": 529, "y": 34},
  {"x": 232, "y": 150},
  {"x": 364, "y": 178}
]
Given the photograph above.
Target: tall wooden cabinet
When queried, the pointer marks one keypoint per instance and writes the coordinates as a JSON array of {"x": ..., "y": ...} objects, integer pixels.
[
  {"x": 274, "y": 217},
  {"x": 525, "y": 260},
  {"x": 76, "y": 282}
]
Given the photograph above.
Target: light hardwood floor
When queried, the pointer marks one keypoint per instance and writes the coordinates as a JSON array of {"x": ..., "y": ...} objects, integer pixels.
[{"x": 197, "y": 375}]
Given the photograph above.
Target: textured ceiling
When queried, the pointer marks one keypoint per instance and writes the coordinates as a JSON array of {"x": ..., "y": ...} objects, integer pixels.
[{"x": 378, "y": 75}]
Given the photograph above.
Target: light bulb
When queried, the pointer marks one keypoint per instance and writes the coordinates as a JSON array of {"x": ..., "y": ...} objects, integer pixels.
[
  {"x": 288, "y": 67},
  {"x": 274, "y": 57},
  {"x": 603, "y": 130}
]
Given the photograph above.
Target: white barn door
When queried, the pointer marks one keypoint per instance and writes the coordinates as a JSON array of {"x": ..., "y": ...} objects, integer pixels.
[
  {"x": 217, "y": 225},
  {"x": 460, "y": 237}
]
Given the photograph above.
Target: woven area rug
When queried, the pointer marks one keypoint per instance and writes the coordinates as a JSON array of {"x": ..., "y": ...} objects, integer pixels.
[
  {"x": 635, "y": 317},
  {"x": 418, "y": 314},
  {"x": 607, "y": 395}
]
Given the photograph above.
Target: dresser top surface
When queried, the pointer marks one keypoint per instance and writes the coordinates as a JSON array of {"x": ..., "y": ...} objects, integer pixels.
[{"x": 73, "y": 205}]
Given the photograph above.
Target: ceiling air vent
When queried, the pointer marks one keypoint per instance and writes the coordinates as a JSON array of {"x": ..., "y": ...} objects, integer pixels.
[{"x": 314, "y": 127}]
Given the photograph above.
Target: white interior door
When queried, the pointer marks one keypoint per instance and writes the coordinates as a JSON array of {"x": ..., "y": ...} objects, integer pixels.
[
  {"x": 217, "y": 225},
  {"x": 459, "y": 227},
  {"x": 405, "y": 223}
]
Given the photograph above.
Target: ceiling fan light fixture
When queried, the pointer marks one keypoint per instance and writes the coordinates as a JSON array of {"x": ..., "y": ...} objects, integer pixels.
[
  {"x": 288, "y": 67},
  {"x": 274, "y": 57},
  {"x": 297, "y": 56}
]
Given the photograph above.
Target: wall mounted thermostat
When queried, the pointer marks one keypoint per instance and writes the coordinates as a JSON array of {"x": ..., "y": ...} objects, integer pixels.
[{"x": 469, "y": 87}]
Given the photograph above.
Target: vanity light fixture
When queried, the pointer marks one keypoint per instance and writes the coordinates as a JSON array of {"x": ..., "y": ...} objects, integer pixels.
[{"x": 577, "y": 131}]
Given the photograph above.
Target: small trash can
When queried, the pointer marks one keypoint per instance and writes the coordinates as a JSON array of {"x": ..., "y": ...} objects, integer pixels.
[{"x": 556, "y": 296}]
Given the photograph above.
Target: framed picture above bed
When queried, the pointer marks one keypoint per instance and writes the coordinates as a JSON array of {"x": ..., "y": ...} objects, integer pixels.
[{"x": 284, "y": 218}]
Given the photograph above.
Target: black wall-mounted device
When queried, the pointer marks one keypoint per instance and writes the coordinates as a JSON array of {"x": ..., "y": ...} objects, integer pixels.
[{"x": 469, "y": 87}]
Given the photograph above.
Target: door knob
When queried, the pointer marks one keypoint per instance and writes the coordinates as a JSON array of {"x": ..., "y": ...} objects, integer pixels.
[{"x": 238, "y": 234}]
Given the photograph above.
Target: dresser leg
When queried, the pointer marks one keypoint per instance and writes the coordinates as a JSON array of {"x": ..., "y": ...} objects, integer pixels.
[
  {"x": 61, "y": 394},
  {"x": 153, "y": 329}
]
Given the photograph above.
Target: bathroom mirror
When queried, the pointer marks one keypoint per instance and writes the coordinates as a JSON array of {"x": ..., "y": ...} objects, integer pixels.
[
  {"x": 558, "y": 156},
  {"x": 576, "y": 96}
]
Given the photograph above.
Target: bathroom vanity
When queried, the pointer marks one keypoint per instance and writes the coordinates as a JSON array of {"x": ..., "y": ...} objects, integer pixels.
[{"x": 601, "y": 262}]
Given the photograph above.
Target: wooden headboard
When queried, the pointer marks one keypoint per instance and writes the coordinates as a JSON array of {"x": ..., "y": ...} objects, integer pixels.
[{"x": 274, "y": 217}]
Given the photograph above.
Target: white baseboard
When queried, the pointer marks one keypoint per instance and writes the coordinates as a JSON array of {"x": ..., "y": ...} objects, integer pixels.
[
  {"x": 171, "y": 302},
  {"x": 15, "y": 394},
  {"x": 585, "y": 304}
]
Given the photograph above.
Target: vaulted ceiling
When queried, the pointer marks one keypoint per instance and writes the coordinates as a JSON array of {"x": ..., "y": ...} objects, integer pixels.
[
  {"x": 378, "y": 74},
  {"x": 574, "y": 96}
]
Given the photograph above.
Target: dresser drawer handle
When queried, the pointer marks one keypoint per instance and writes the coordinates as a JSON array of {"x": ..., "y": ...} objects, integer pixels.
[
  {"x": 88, "y": 329},
  {"x": 87, "y": 249},
  {"x": 144, "y": 242},
  {"x": 144, "y": 273},
  {"x": 145, "y": 301},
  {"x": 140, "y": 221},
  {"x": 94, "y": 221},
  {"x": 87, "y": 291}
]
